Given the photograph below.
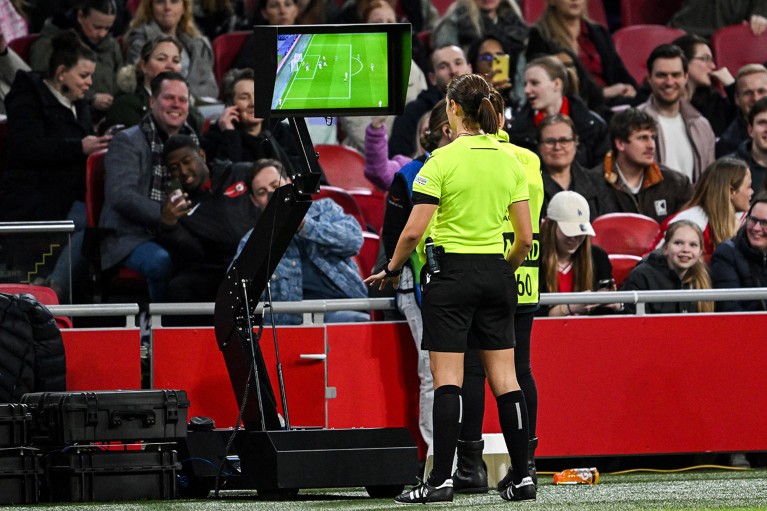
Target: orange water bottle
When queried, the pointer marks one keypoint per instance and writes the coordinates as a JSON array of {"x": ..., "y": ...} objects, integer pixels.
[{"x": 577, "y": 476}]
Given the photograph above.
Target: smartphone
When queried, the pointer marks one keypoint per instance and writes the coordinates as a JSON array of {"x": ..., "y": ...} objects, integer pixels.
[
  {"x": 500, "y": 68},
  {"x": 606, "y": 284},
  {"x": 173, "y": 188}
]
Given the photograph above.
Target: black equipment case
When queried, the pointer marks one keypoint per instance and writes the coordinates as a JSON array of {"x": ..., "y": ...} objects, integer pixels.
[
  {"x": 88, "y": 474},
  {"x": 65, "y": 418},
  {"x": 14, "y": 424},
  {"x": 21, "y": 472}
]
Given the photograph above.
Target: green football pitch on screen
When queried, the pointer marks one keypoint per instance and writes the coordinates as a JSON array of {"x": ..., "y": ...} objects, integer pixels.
[{"x": 329, "y": 71}]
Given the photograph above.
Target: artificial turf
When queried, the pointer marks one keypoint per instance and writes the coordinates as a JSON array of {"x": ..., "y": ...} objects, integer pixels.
[{"x": 703, "y": 489}]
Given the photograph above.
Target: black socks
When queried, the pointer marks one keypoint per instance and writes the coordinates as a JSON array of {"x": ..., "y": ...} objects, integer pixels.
[
  {"x": 447, "y": 424},
  {"x": 512, "y": 414}
]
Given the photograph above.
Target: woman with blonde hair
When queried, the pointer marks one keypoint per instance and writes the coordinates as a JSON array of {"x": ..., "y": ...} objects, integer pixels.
[
  {"x": 175, "y": 18},
  {"x": 565, "y": 25},
  {"x": 678, "y": 265},
  {"x": 722, "y": 196}
]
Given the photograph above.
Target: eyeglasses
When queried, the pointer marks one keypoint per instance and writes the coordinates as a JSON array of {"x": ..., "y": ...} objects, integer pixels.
[
  {"x": 551, "y": 143},
  {"x": 752, "y": 221},
  {"x": 704, "y": 58}
]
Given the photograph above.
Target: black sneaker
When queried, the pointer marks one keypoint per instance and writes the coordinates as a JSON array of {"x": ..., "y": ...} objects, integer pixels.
[
  {"x": 424, "y": 493},
  {"x": 525, "y": 490}
]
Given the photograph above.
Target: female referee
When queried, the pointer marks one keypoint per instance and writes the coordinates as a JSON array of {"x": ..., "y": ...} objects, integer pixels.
[{"x": 463, "y": 194}]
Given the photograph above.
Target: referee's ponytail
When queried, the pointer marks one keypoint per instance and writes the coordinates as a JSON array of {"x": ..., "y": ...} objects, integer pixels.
[{"x": 472, "y": 94}]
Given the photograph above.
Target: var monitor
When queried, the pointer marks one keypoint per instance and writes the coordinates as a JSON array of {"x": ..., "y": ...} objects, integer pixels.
[{"x": 332, "y": 70}]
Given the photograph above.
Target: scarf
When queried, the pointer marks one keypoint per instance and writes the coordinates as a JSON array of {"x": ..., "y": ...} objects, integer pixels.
[{"x": 159, "y": 171}]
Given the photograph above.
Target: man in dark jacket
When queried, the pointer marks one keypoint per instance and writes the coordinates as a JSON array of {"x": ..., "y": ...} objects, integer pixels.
[
  {"x": 203, "y": 221},
  {"x": 446, "y": 63},
  {"x": 750, "y": 87},
  {"x": 637, "y": 182},
  {"x": 754, "y": 150}
]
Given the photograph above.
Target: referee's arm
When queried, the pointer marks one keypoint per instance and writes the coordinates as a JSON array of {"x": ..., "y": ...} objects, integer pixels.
[
  {"x": 519, "y": 214},
  {"x": 416, "y": 225}
]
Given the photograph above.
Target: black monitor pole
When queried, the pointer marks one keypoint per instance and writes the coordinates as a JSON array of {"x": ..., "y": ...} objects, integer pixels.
[{"x": 239, "y": 293}]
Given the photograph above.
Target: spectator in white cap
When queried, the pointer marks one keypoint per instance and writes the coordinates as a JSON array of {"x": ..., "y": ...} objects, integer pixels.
[{"x": 569, "y": 262}]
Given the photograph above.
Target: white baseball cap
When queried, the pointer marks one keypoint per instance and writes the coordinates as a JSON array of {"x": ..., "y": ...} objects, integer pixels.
[{"x": 571, "y": 212}]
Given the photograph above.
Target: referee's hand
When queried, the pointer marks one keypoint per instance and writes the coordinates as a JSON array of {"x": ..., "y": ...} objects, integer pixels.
[{"x": 383, "y": 279}]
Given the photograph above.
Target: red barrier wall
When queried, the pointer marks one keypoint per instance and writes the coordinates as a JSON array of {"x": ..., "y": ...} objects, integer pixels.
[
  {"x": 189, "y": 359},
  {"x": 103, "y": 359},
  {"x": 636, "y": 385}
]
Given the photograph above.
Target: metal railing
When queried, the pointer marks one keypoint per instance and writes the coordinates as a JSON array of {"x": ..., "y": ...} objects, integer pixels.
[{"x": 313, "y": 310}]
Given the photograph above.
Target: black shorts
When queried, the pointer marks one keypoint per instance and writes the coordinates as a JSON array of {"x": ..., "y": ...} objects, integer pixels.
[{"x": 472, "y": 294}]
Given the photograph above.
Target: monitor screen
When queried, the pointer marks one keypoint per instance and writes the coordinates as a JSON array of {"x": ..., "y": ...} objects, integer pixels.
[{"x": 329, "y": 70}]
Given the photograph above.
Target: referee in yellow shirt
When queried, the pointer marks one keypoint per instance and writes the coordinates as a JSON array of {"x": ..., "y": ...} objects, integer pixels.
[
  {"x": 470, "y": 475},
  {"x": 464, "y": 194}
]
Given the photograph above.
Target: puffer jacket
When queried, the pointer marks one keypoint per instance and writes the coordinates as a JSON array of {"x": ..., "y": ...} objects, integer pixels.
[{"x": 32, "y": 355}]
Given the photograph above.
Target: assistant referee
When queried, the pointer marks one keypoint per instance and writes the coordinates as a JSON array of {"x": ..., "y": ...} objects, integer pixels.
[{"x": 463, "y": 194}]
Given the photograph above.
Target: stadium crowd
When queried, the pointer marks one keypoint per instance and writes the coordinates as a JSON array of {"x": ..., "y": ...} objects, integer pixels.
[{"x": 681, "y": 141}]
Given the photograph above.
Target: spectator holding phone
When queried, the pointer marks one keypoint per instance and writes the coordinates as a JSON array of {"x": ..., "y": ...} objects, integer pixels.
[
  {"x": 49, "y": 140},
  {"x": 678, "y": 265},
  {"x": 135, "y": 186},
  {"x": 569, "y": 262},
  {"x": 237, "y": 135},
  {"x": 163, "y": 53}
]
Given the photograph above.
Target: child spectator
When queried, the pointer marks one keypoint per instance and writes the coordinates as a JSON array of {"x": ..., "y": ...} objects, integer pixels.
[{"x": 678, "y": 265}]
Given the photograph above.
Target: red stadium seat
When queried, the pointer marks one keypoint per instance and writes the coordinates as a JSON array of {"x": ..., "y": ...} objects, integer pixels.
[
  {"x": 622, "y": 266},
  {"x": 22, "y": 45},
  {"x": 442, "y": 5},
  {"x": 735, "y": 46},
  {"x": 373, "y": 205},
  {"x": 648, "y": 12},
  {"x": 532, "y": 10},
  {"x": 226, "y": 47},
  {"x": 42, "y": 294},
  {"x": 634, "y": 44},
  {"x": 132, "y": 6},
  {"x": 366, "y": 259},
  {"x": 343, "y": 166},
  {"x": 124, "y": 281},
  {"x": 345, "y": 200},
  {"x": 625, "y": 233}
]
